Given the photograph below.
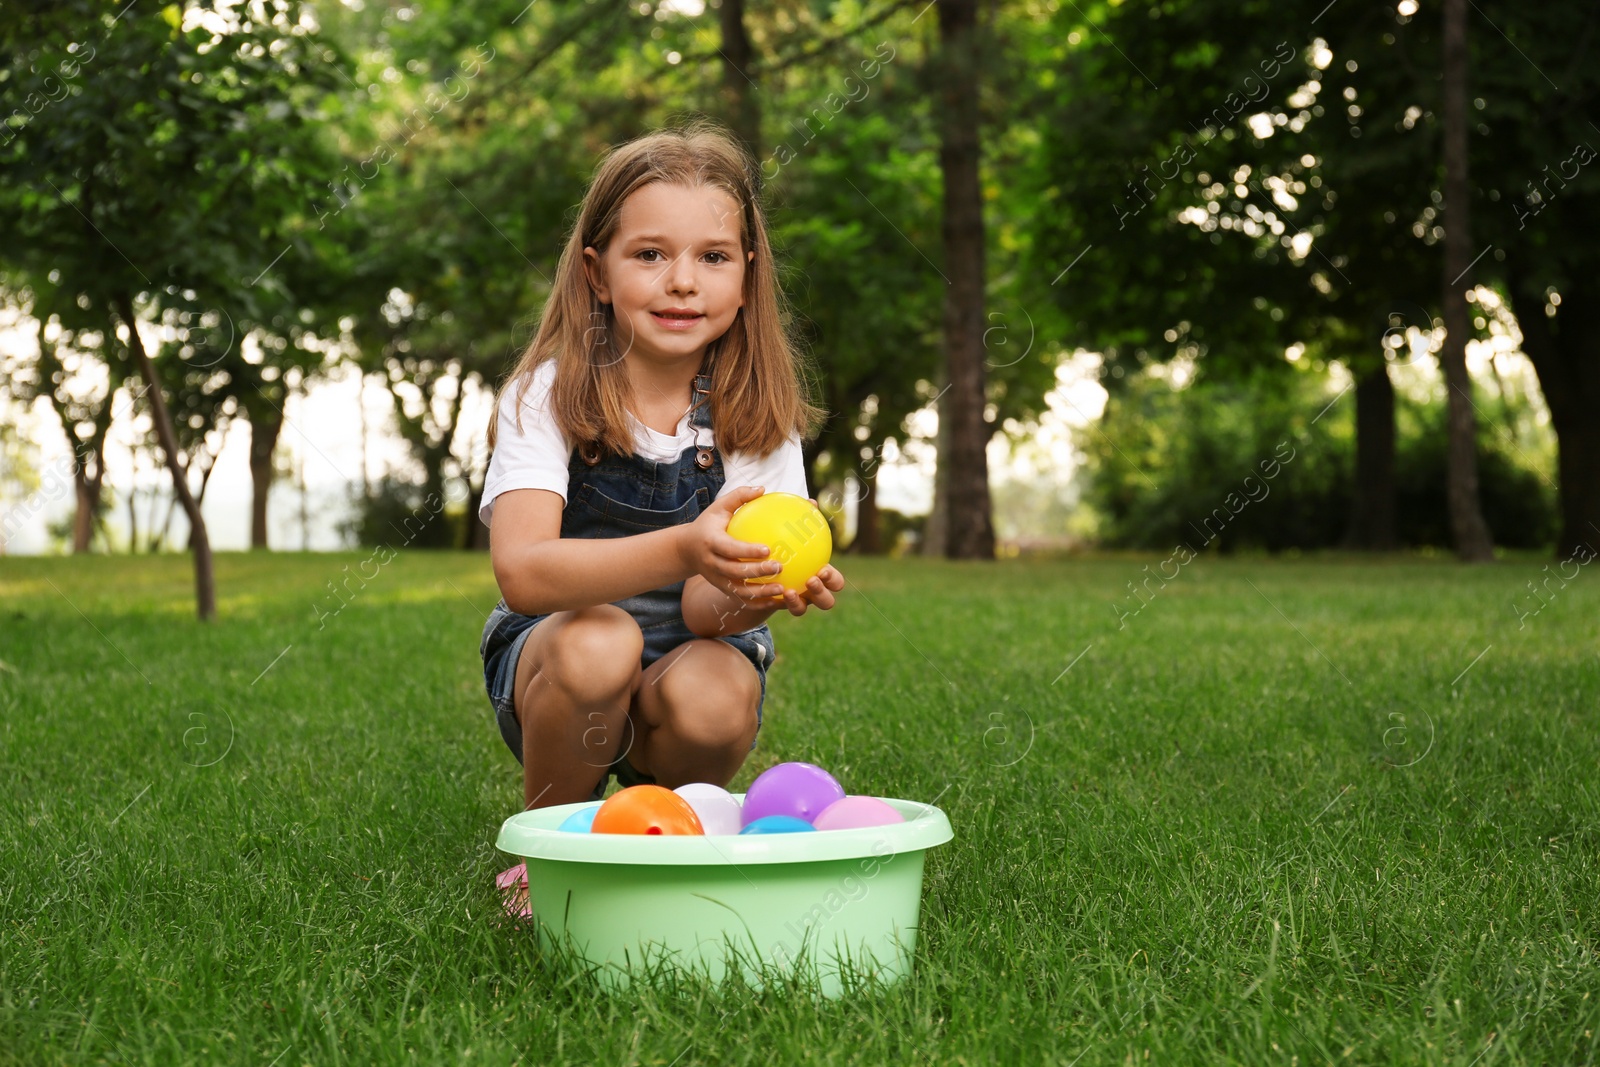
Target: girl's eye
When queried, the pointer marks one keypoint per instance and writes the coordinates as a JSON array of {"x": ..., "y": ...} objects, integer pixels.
[{"x": 722, "y": 257}]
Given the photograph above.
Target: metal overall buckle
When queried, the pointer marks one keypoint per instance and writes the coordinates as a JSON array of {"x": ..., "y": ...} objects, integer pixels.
[{"x": 703, "y": 456}]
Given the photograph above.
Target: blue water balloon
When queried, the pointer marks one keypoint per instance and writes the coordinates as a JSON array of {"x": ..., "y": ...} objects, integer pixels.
[
  {"x": 777, "y": 824},
  {"x": 580, "y": 821}
]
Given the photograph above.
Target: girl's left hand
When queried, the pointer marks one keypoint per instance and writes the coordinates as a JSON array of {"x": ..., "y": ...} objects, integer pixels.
[{"x": 819, "y": 591}]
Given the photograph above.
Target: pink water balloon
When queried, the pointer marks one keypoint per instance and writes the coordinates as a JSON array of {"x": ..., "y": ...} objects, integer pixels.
[
  {"x": 801, "y": 790},
  {"x": 854, "y": 813}
]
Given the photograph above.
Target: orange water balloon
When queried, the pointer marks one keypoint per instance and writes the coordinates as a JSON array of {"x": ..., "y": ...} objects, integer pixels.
[{"x": 646, "y": 809}]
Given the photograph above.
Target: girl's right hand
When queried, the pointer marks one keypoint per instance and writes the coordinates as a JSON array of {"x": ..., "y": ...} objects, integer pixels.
[{"x": 724, "y": 561}]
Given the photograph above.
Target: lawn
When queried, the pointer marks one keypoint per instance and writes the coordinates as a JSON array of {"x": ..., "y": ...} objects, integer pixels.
[{"x": 1289, "y": 812}]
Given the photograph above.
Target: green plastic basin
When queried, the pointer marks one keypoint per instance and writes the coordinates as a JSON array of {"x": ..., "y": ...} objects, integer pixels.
[{"x": 832, "y": 905}]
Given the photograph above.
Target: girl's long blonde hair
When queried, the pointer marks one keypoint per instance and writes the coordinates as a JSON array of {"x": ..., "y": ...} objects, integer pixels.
[{"x": 759, "y": 391}]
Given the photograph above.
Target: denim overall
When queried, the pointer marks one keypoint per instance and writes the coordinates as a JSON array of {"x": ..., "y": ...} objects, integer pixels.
[{"x": 618, "y": 496}]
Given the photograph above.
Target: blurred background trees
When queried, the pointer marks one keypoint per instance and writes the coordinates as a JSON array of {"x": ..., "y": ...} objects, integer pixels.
[{"x": 1225, "y": 223}]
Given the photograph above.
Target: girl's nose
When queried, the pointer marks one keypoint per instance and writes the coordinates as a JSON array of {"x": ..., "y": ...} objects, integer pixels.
[{"x": 680, "y": 273}]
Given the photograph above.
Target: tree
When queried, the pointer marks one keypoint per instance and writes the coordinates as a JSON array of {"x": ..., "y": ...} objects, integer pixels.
[
  {"x": 285, "y": 353},
  {"x": 199, "y": 541},
  {"x": 71, "y": 340},
  {"x": 20, "y": 483},
  {"x": 1314, "y": 176},
  {"x": 866, "y": 298},
  {"x": 1534, "y": 147},
  {"x": 466, "y": 211},
  {"x": 741, "y": 108},
  {"x": 965, "y": 465},
  {"x": 1466, "y": 515},
  {"x": 1164, "y": 236},
  {"x": 1412, "y": 90},
  {"x": 201, "y": 409},
  {"x": 184, "y": 148},
  {"x": 457, "y": 185}
]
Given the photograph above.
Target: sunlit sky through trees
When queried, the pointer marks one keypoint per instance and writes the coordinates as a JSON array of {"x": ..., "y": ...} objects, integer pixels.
[{"x": 321, "y": 448}]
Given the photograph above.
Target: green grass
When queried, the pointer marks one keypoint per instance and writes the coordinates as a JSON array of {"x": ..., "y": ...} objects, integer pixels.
[{"x": 1292, "y": 813}]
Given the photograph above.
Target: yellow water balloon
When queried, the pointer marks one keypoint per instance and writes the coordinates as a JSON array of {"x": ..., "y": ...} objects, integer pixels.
[{"x": 794, "y": 531}]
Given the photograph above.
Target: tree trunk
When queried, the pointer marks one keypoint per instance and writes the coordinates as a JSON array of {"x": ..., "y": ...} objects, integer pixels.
[
  {"x": 88, "y": 487},
  {"x": 1372, "y": 507},
  {"x": 436, "y": 471},
  {"x": 205, "y": 480},
  {"x": 1578, "y": 460},
  {"x": 366, "y": 467},
  {"x": 475, "y": 538},
  {"x": 1471, "y": 533},
  {"x": 88, "y": 500},
  {"x": 475, "y": 535},
  {"x": 869, "y": 530},
  {"x": 205, "y": 592},
  {"x": 133, "y": 500},
  {"x": 305, "y": 507},
  {"x": 1568, "y": 367},
  {"x": 166, "y": 524},
  {"x": 969, "y": 528},
  {"x": 738, "y": 88},
  {"x": 431, "y": 451},
  {"x": 809, "y": 451},
  {"x": 264, "y": 430},
  {"x": 935, "y": 528}
]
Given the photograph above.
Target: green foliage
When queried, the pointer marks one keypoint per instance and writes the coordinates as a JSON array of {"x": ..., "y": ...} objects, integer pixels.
[
  {"x": 19, "y": 474},
  {"x": 464, "y": 158},
  {"x": 1141, "y": 115},
  {"x": 1224, "y": 465},
  {"x": 401, "y": 514},
  {"x": 162, "y": 162},
  {"x": 867, "y": 300},
  {"x": 1350, "y": 159},
  {"x": 1191, "y": 466},
  {"x": 1519, "y": 503},
  {"x": 1191, "y": 145},
  {"x": 169, "y": 159},
  {"x": 409, "y": 171},
  {"x": 898, "y": 532}
]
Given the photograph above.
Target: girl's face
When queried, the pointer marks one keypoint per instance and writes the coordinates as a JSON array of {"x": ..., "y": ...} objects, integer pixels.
[{"x": 673, "y": 273}]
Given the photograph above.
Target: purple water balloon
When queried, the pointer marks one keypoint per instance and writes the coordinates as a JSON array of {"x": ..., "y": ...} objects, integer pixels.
[
  {"x": 855, "y": 812},
  {"x": 798, "y": 789}
]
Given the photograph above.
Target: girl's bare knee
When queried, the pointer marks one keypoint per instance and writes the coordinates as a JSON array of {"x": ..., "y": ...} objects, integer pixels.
[
  {"x": 594, "y": 654},
  {"x": 729, "y": 731},
  {"x": 724, "y": 722}
]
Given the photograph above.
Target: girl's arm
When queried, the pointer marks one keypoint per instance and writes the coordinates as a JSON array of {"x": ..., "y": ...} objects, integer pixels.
[
  {"x": 540, "y": 572},
  {"x": 709, "y": 612}
]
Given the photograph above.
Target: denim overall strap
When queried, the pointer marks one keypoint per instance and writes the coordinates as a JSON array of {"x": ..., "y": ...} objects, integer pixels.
[{"x": 700, "y": 410}]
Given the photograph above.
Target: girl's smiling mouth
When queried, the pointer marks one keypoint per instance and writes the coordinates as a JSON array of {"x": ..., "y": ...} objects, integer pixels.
[{"x": 677, "y": 318}]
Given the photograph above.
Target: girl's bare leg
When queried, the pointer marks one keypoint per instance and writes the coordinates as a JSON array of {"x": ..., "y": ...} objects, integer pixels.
[
  {"x": 695, "y": 714},
  {"x": 576, "y": 680}
]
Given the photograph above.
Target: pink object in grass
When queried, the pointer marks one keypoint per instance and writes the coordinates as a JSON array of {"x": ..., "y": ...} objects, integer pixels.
[
  {"x": 855, "y": 812},
  {"x": 512, "y": 883}
]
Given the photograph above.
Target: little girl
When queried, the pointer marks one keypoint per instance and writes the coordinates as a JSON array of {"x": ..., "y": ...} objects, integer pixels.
[{"x": 659, "y": 393}]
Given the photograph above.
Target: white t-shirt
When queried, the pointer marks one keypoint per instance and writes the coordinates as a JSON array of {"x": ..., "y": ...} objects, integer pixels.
[{"x": 536, "y": 455}]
